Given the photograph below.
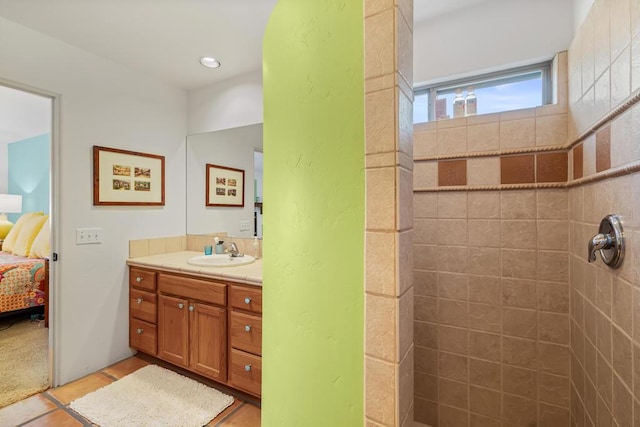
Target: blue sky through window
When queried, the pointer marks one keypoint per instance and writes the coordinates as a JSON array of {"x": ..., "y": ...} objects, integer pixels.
[{"x": 491, "y": 99}]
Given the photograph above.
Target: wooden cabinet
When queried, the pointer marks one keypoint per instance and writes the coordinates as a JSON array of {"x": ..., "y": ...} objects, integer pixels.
[
  {"x": 142, "y": 279},
  {"x": 143, "y": 305},
  {"x": 245, "y": 338},
  {"x": 173, "y": 330},
  {"x": 143, "y": 311},
  {"x": 245, "y": 332},
  {"x": 197, "y": 327},
  {"x": 193, "y": 333},
  {"x": 208, "y": 348}
]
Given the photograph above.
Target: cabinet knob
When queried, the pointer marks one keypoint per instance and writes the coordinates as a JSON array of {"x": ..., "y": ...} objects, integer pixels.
[
  {"x": 139, "y": 300},
  {"x": 247, "y": 328},
  {"x": 247, "y": 300},
  {"x": 180, "y": 305},
  {"x": 139, "y": 331},
  {"x": 139, "y": 279},
  {"x": 247, "y": 368},
  {"x": 190, "y": 308}
]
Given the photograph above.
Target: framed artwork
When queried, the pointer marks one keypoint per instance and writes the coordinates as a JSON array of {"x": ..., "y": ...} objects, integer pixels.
[
  {"x": 225, "y": 186},
  {"x": 122, "y": 177}
]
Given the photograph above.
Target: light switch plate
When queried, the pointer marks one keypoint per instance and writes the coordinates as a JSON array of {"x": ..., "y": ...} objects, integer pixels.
[
  {"x": 87, "y": 236},
  {"x": 245, "y": 225}
]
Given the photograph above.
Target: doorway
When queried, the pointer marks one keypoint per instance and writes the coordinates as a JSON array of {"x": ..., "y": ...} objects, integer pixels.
[{"x": 28, "y": 143}]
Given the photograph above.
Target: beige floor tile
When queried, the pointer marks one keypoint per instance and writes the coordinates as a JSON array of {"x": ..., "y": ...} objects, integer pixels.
[
  {"x": 25, "y": 410},
  {"x": 79, "y": 388},
  {"x": 247, "y": 416},
  {"x": 125, "y": 367},
  {"x": 235, "y": 405},
  {"x": 58, "y": 418}
]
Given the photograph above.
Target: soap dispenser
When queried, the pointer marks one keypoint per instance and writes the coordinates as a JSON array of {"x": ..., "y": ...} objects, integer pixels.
[{"x": 256, "y": 247}]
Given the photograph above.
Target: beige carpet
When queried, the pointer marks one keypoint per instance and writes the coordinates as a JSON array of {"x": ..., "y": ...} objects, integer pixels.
[
  {"x": 152, "y": 396},
  {"x": 23, "y": 360}
]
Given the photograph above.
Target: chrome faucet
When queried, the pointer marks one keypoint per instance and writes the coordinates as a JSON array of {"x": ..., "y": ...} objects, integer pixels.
[
  {"x": 233, "y": 250},
  {"x": 597, "y": 242},
  {"x": 609, "y": 242}
]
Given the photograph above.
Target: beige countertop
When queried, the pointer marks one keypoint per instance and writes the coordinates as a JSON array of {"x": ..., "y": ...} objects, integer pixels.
[{"x": 176, "y": 262}]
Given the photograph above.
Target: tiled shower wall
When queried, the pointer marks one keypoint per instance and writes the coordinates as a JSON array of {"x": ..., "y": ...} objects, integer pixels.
[
  {"x": 492, "y": 327},
  {"x": 491, "y": 308},
  {"x": 452, "y": 370},
  {"x": 388, "y": 388},
  {"x": 604, "y": 70}
]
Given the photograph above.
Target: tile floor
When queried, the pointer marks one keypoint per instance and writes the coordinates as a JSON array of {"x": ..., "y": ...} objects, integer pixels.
[{"x": 50, "y": 408}]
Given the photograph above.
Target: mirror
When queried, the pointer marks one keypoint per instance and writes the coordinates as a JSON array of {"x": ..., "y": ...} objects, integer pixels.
[{"x": 237, "y": 148}]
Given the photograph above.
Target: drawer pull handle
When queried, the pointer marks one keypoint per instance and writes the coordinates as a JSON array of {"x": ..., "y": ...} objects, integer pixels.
[
  {"x": 139, "y": 331},
  {"x": 139, "y": 279},
  {"x": 190, "y": 308},
  {"x": 139, "y": 300},
  {"x": 180, "y": 305},
  {"x": 247, "y": 300},
  {"x": 247, "y": 368},
  {"x": 247, "y": 328}
]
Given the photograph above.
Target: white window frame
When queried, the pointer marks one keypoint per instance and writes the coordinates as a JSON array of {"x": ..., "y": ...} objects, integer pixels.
[{"x": 490, "y": 79}]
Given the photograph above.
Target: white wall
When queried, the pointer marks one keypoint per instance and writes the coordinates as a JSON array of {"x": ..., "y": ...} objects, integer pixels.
[
  {"x": 231, "y": 103},
  {"x": 231, "y": 148},
  {"x": 104, "y": 104},
  {"x": 490, "y": 36}
]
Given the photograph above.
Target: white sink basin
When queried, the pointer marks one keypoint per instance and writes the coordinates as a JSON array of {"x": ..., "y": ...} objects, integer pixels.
[{"x": 220, "y": 260}]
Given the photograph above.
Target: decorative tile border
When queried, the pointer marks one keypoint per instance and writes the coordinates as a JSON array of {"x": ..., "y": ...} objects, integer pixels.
[
  {"x": 631, "y": 100},
  {"x": 532, "y": 186},
  {"x": 496, "y": 153},
  {"x": 609, "y": 173},
  {"x": 534, "y": 167}
]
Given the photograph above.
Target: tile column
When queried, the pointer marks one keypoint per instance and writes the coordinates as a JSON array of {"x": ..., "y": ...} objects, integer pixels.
[{"x": 389, "y": 214}]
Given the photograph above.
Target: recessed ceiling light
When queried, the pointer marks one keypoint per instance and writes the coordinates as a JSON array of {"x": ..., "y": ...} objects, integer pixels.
[{"x": 210, "y": 62}]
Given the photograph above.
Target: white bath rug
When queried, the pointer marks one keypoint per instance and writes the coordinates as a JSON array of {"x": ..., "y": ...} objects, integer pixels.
[{"x": 152, "y": 396}]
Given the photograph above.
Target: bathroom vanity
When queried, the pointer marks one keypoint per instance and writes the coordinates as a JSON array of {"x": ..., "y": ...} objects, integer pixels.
[{"x": 203, "y": 319}]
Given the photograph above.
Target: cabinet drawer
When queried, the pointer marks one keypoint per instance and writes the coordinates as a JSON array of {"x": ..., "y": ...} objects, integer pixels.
[
  {"x": 142, "y": 279},
  {"x": 143, "y": 336},
  {"x": 245, "y": 298},
  {"x": 245, "y": 371},
  {"x": 143, "y": 305},
  {"x": 188, "y": 287},
  {"x": 246, "y": 332}
]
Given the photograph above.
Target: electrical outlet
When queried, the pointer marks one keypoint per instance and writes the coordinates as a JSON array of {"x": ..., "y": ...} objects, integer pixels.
[
  {"x": 87, "y": 236},
  {"x": 245, "y": 225}
]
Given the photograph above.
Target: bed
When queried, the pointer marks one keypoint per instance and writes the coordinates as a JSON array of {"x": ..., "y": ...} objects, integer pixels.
[
  {"x": 24, "y": 266},
  {"x": 24, "y": 283}
]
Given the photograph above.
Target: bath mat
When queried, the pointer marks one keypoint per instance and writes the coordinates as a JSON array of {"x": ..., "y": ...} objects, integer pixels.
[{"x": 152, "y": 396}]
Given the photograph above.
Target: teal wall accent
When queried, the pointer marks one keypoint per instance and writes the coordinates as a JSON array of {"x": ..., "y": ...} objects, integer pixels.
[
  {"x": 29, "y": 173},
  {"x": 313, "y": 293}
]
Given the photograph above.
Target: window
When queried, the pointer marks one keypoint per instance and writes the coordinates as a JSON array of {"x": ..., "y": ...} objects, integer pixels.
[{"x": 513, "y": 89}]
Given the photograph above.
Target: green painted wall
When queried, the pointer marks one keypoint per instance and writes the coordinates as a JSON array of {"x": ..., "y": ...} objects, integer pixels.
[{"x": 314, "y": 215}]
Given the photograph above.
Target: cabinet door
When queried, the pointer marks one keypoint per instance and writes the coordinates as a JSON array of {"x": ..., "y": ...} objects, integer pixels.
[
  {"x": 208, "y": 338},
  {"x": 173, "y": 330}
]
